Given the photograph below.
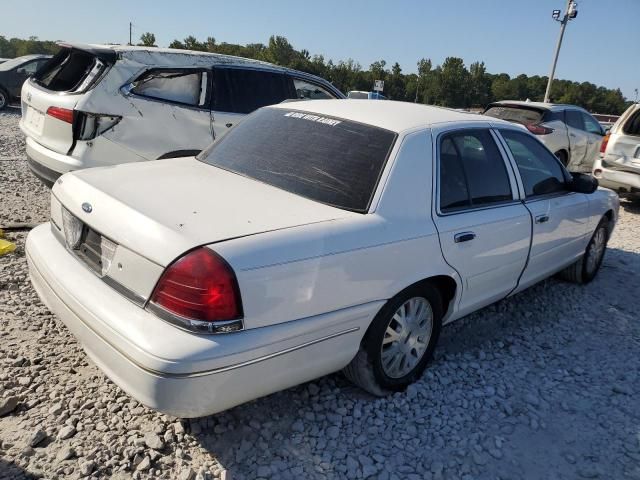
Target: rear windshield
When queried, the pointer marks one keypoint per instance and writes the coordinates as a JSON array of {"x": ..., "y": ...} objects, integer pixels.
[
  {"x": 330, "y": 160},
  {"x": 69, "y": 71},
  {"x": 523, "y": 115}
]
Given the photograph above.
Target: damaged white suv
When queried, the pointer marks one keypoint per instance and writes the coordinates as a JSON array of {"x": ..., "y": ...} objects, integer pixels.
[{"x": 103, "y": 105}]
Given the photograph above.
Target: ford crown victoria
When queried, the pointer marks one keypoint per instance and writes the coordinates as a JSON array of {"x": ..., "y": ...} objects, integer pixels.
[{"x": 311, "y": 238}]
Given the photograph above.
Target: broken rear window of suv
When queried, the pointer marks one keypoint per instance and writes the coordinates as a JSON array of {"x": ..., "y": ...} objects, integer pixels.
[
  {"x": 70, "y": 70},
  {"x": 330, "y": 160}
]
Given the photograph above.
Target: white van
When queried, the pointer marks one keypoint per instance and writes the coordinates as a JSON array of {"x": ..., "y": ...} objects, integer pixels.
[{"x": 95, "y": 105}]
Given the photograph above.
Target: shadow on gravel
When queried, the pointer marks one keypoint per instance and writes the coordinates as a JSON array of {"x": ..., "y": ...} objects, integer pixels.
[
  {"x": 10, "y": 471},
  {"x": 631, "y": 206},
  {"x": 527, "y": 373}
]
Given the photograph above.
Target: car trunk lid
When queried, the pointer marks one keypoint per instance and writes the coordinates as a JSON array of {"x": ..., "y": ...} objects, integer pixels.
[{"x": 164, "y": 208}]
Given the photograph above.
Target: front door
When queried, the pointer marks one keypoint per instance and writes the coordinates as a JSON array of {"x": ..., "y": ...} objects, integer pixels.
[
  {"x": 240, "y": 91},
  {"x": 484, "y": 229},
  {"x": 560, "y": 217}
]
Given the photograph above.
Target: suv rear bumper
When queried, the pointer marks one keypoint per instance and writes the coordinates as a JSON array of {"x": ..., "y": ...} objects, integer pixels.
[
  {"x": 48, "y": 165},
  {"x": 621, "y": 181}
]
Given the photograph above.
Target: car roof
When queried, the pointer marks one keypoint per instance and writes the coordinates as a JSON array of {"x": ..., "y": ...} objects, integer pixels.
[
  {"x": 390, "y": 115},
  {"x": 543, "y": 105},
  {"x": 32, "y": 57},
  {"x": 174, "y": 57}
]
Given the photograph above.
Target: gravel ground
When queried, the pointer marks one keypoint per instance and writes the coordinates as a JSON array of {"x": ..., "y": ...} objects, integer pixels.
[{"x": 545, "y": 385}]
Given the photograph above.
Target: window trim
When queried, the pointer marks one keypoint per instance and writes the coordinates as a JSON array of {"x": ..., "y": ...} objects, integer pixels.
[
  {"x": 514, "y": 165},
  {"x": 513, "y": 184},
  {"x": 127, "y": 88}
]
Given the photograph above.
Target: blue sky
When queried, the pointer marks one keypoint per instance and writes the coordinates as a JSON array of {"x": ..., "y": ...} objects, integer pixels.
[{"x": 601, "y": 46}]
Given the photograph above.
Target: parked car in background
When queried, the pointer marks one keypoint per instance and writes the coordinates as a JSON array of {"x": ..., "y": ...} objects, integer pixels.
[
  {"x": 13, "y": 74},
  {"x": 570, "y": 132},
  {"x": 362, "y": 95},
  {"x": 618, "y": 167},
  {"x": 103, "y": 105},
  {"x": 314, "y": 236}
]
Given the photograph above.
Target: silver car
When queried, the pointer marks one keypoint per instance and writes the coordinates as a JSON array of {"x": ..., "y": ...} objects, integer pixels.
[
  {"x": 571, "y": 132},
  {"x": 618, "y": 167}
]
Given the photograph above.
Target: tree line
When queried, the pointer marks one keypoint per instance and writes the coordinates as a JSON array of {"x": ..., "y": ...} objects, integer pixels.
[{"x": 451, "y": 84}]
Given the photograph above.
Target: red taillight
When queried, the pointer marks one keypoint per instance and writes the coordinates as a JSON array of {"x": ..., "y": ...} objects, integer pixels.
[
  {"x": 603, "y": 145},
  {"x": 63, "y": 114},
  {"x": 200, "y": 289},
  {"x": 538, "y": 129}
]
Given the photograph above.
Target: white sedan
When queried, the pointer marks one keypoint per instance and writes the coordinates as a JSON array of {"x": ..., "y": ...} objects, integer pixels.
[{"x": 313, "y": 237}]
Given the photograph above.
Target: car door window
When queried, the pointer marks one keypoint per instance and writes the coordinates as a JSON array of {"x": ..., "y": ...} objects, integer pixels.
[
  {"x": 591, "y": 125},
  {"x": 179, "y": 86},
  {"x": 574, "y": 119},
  {"x": 632, "y": 126},
  {"x": 540, "y": 170},
  {"x": 310, "y": 91},
  {"x": 472, "y": 172},
  {"x": 30, "y": 68},
  {"x": 242, "y": 91}
]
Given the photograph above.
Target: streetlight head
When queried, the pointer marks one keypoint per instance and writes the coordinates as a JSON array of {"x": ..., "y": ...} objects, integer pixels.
[
  {"x": 556, "y": 15},
  {"x": 573, "y": 10}
]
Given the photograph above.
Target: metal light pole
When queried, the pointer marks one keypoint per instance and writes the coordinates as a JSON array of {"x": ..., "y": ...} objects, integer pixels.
[{"x": 570, "y": 13}]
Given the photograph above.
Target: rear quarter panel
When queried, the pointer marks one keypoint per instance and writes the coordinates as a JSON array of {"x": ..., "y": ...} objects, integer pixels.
[{"x": 309, "y": 270}]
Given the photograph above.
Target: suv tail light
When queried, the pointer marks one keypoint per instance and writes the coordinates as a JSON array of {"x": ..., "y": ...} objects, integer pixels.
[
  {"x": 199, "y": 292},
  {"x": 605, "y": 141},
  {"x": 538, "y": 129},
  {"x": 90, "y": 125},
  {"x": 63, "y": 114}
]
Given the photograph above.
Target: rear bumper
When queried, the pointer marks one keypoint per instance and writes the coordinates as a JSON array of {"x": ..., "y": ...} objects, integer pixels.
[
  {"x": 177, "y": 372},
  {"x": 621, "y": 181},
  {"x": 47, "y": 164}
]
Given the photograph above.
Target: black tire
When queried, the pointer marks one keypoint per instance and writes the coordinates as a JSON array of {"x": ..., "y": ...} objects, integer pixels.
[
  {"x": 4, "y": 99},
  {"x": 366, "y": 369},
  {"x": 563, "y": 157},
  {"x": 582, "y": 271}
]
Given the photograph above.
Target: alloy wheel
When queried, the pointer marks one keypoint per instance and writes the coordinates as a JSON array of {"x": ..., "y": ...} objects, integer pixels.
[
  {"x": 596, "y": 250},
  {"x": 407, "y": 337}
]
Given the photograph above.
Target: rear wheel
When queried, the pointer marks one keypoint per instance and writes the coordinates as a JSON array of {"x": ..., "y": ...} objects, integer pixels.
[
  {"x": 586, "y": 268},
  {"x": 4, "y": 99},
  {"x": 563, "y": 157},
  {"x": 399, "y": 343}
]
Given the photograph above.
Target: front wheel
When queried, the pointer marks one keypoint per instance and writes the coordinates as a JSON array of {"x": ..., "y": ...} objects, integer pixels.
[
  {"x": 399, "y": 342},
  {"x": 4, "y": 99},
  {"x": 586, "y": 268}
]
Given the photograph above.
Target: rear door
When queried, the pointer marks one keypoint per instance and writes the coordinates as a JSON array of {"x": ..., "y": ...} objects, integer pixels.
[
  {"x": 240, "y": 91},
  {"x": 171, "y": 116},
  {"x": 21, "y": 74},
  {"x": 594, "y": 133},
  {"x": 484, "y": 228},
  {"x": 578, "y": 138},
  {"x": 560, "y": 217}
]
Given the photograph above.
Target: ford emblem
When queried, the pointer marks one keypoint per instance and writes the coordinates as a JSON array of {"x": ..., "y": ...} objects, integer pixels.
[{"x": 86, "y": 206}]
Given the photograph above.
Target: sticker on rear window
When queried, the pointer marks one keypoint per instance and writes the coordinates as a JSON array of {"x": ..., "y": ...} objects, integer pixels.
[{"x": 313, "y": 118}]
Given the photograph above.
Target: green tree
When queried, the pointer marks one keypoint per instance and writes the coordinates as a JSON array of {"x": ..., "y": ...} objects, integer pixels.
[
  {"x": 147, "y": 39},
  {"x": 454, "y": 81}
]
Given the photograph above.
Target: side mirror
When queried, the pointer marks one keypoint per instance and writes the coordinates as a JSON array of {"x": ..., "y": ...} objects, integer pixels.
[{"x": 582, "y": 183}]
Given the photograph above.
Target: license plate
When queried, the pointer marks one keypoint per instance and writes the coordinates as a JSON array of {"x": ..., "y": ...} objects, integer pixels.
[
  {"x": 93, "y": 249},
  {"x": 34, "y": 119}
]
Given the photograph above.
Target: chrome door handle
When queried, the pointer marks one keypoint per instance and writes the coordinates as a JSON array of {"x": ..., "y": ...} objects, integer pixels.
[
  {"x": 464, "y": 237},
  {"x": 542, "y": 218}
]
